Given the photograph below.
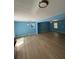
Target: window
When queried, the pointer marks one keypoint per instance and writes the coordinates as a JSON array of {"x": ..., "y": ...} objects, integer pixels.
[{"x": 55, "y": 25}]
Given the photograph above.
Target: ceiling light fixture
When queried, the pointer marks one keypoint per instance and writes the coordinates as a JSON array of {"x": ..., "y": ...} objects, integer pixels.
[{"x": 43, "y": 3}]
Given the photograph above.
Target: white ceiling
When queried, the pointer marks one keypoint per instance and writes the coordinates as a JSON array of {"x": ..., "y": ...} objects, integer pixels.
[{"x": 28, "y": 9}]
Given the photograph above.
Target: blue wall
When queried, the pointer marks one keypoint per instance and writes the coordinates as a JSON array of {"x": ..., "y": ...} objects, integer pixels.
[
  {"x": 61, "y": 26},
  {"x": 24, "y": 28},
  {"x": 49, "y": 27}
]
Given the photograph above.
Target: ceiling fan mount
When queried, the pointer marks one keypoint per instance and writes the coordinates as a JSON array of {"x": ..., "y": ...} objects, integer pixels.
[{"x": 43, "y": 3}]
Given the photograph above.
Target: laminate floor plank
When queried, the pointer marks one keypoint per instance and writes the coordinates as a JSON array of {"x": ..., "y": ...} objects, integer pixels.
[{"x": 41, "y": 46}]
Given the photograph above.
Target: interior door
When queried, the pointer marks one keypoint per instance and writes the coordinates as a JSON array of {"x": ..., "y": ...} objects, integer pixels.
[{"x": 43, "y": 27}]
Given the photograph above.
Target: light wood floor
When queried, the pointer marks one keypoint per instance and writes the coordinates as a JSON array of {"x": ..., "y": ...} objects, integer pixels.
[{"x": 42, "y": 46}]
